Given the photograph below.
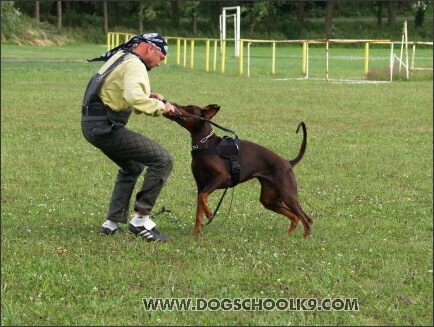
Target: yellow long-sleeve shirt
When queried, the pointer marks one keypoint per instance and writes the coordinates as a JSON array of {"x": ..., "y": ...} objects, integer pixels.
[{"x": 128, "y": 86}]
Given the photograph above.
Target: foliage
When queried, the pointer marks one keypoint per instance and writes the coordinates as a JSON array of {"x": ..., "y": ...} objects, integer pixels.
[
  {"x": 28, "y": 31},
  {"x": 10, "y": 17},
  {"x": 366, "y": 181},
  {"x": 419, "y": 8},
  {"x": 260, "y": 19}
]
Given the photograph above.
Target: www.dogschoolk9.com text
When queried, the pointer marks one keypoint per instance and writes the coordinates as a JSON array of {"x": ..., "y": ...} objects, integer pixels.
[{"x": 250, "y": 304}]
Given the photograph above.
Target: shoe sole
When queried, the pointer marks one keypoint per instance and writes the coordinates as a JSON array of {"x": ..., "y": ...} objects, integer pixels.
[
  {"x": 145, "y": 238},
  {"x": 107, "y": 232}
]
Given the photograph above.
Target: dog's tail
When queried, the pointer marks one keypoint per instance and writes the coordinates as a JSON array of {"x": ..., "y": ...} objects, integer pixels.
[{"x": 300, "y": 155}]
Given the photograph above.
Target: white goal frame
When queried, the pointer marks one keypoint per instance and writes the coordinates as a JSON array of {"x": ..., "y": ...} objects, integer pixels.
[{"x": 223, "y": 18}]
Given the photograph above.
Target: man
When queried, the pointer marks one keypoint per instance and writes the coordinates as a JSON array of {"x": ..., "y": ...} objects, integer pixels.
[{"x": 121, "y": 87}]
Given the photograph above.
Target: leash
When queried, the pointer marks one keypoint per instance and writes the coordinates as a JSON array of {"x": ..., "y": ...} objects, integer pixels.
[
  {"x": 178, "y": 114},
  {"x": 217, "y": 208},
  {"x": 163, "y": 209},
  {"x": 209, "y": 121},
  {"x": 218, "y": 205}
]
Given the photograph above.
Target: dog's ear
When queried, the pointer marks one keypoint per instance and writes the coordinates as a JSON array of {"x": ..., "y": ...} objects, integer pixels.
[{"x": 210, "y": 111}]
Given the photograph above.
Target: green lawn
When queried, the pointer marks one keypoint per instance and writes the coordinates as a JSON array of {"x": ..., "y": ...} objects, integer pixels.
[{"x": 366, "y": 181}]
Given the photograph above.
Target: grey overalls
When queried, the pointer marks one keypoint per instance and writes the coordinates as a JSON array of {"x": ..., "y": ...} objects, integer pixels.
[{"x": 131, "y": 151}]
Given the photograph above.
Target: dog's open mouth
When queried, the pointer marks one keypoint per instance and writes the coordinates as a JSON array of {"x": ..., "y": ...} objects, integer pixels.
[
  {"x": 178, "y": 114},
  {"x": 174, "y": 114}
]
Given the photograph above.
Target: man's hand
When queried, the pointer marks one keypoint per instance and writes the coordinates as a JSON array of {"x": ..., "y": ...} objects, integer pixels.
[
  {"x": 156, "y": 96},
  {"x": 169, "y": 108}
]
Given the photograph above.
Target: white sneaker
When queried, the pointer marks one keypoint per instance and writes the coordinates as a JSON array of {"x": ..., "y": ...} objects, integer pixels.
[{"x": 108, "y": 228}]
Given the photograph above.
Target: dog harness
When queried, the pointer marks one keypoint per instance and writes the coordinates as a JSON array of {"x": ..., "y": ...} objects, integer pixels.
[{"x": 228, "y": 148}]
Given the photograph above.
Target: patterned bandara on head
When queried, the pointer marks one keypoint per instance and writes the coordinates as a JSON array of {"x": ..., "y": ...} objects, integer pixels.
[{"x": 152, "y": 38}]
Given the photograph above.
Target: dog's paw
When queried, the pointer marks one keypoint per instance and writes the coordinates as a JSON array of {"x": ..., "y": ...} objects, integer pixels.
[{"x": 209, "y": 215}]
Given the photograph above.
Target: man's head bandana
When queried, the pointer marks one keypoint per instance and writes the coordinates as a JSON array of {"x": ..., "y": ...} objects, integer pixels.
[{"x": 152, "y": 38}]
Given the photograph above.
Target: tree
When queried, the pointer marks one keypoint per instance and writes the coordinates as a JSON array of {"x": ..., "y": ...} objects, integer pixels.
[
  {"x": 37, "y": 17},
  {"x": 301, "y": 13},
  {"x": 259, "y": 12},
  {"x": 105, "y": 16},
  {"x": 328, "y": 16},
  {"x": 141, "y": 15},
  {"x": 10, "y": 16},
  {"x": 190, "y": 8},
  {"x": 194, "y": 20},
  {"x": 379, "y": 12},
  {"x": 68, "y": 14},
  {"x": 391, "y": 14},
  {"x": 215, "y": 12},
  {"x": 59, "y": 14},
  {"x": 419, "y": 7},
  {"x": 176, "y": 19}
]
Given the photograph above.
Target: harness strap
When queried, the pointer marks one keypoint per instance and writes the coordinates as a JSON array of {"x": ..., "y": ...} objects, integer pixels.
[
  {"x": 235, "y": 167},
  {"x": 205, "y": 152},
  {"x": 228, "y": 148}
]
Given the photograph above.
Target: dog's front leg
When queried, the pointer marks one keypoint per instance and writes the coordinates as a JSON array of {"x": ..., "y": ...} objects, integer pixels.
[{"x": 202, "y": 210}]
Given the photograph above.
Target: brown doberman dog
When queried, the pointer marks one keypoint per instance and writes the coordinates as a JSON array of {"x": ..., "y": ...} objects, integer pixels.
[{"x": 220, "y": 163}]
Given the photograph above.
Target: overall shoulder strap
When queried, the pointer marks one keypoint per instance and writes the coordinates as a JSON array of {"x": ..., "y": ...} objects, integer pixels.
[
  {"x": 95, "y": 82},
  {"x": 114, "y": 65}
]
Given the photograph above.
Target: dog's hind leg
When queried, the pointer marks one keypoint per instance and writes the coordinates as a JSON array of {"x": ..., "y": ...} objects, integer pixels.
[
  {"x": 307, "y": 222},
  {"x": 290, "y": 207},
  {"x": 291, "y": 204},
  {"x": 272, "y": 200},
  {"x": 294, "y": 215}
]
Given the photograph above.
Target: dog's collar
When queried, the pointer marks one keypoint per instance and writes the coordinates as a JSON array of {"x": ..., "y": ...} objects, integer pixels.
[{"x": 194, "y": 147}]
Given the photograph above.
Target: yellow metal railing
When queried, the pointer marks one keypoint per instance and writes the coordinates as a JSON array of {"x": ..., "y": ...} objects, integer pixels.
[
  {"x": 114, "y": 39},
  {"x": 215, "y": 51}
]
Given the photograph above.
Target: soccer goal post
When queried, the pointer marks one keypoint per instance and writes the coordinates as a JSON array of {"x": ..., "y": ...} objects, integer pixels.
[{"x": 236, "y": 18}]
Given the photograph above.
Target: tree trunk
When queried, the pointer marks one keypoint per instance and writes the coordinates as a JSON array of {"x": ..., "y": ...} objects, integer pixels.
[
  {"x": 194, "y": 21},
  {"x": 37, "y": 16},
  {"x": 176, "y": 20},
  {"x": 140, "y": 14},
  {"x": 59, "y": 14},
  {"x": 68, "y": 14},
  {"x": 328, "y": 17},
  {"x": 301, "y": 13},
  {"x": 105, "y": 16},
  {"x": 391, "y": 14},
  {"x": 215, "y": 13},
  {"x": 420, "y": 16},
  {"x": 379, "y": 12}
]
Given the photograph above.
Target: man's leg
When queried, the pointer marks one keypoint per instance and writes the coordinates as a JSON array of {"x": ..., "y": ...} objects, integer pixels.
[
  {"x": 132, "y": 151},
  {"x": 154, "y": 180},
  {"x": 156, "y": 175},
  {"x": 123, "y": 189}
]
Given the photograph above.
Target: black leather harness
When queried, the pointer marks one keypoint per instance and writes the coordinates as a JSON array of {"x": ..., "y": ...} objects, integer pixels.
[{"x": 229, "y": 149}]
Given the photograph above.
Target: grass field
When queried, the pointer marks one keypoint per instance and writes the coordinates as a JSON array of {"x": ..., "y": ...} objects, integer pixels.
[{"x": 366, "y": 181}]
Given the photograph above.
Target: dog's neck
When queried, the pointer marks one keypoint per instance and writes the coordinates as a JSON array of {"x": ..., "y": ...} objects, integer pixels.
[
  {"x": 202, "y": 141},
  {"x": 202, "y": 136}
]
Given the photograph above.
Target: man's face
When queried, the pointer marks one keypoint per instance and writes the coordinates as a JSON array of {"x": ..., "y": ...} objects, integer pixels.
[{"x": 153, "y": 57}]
